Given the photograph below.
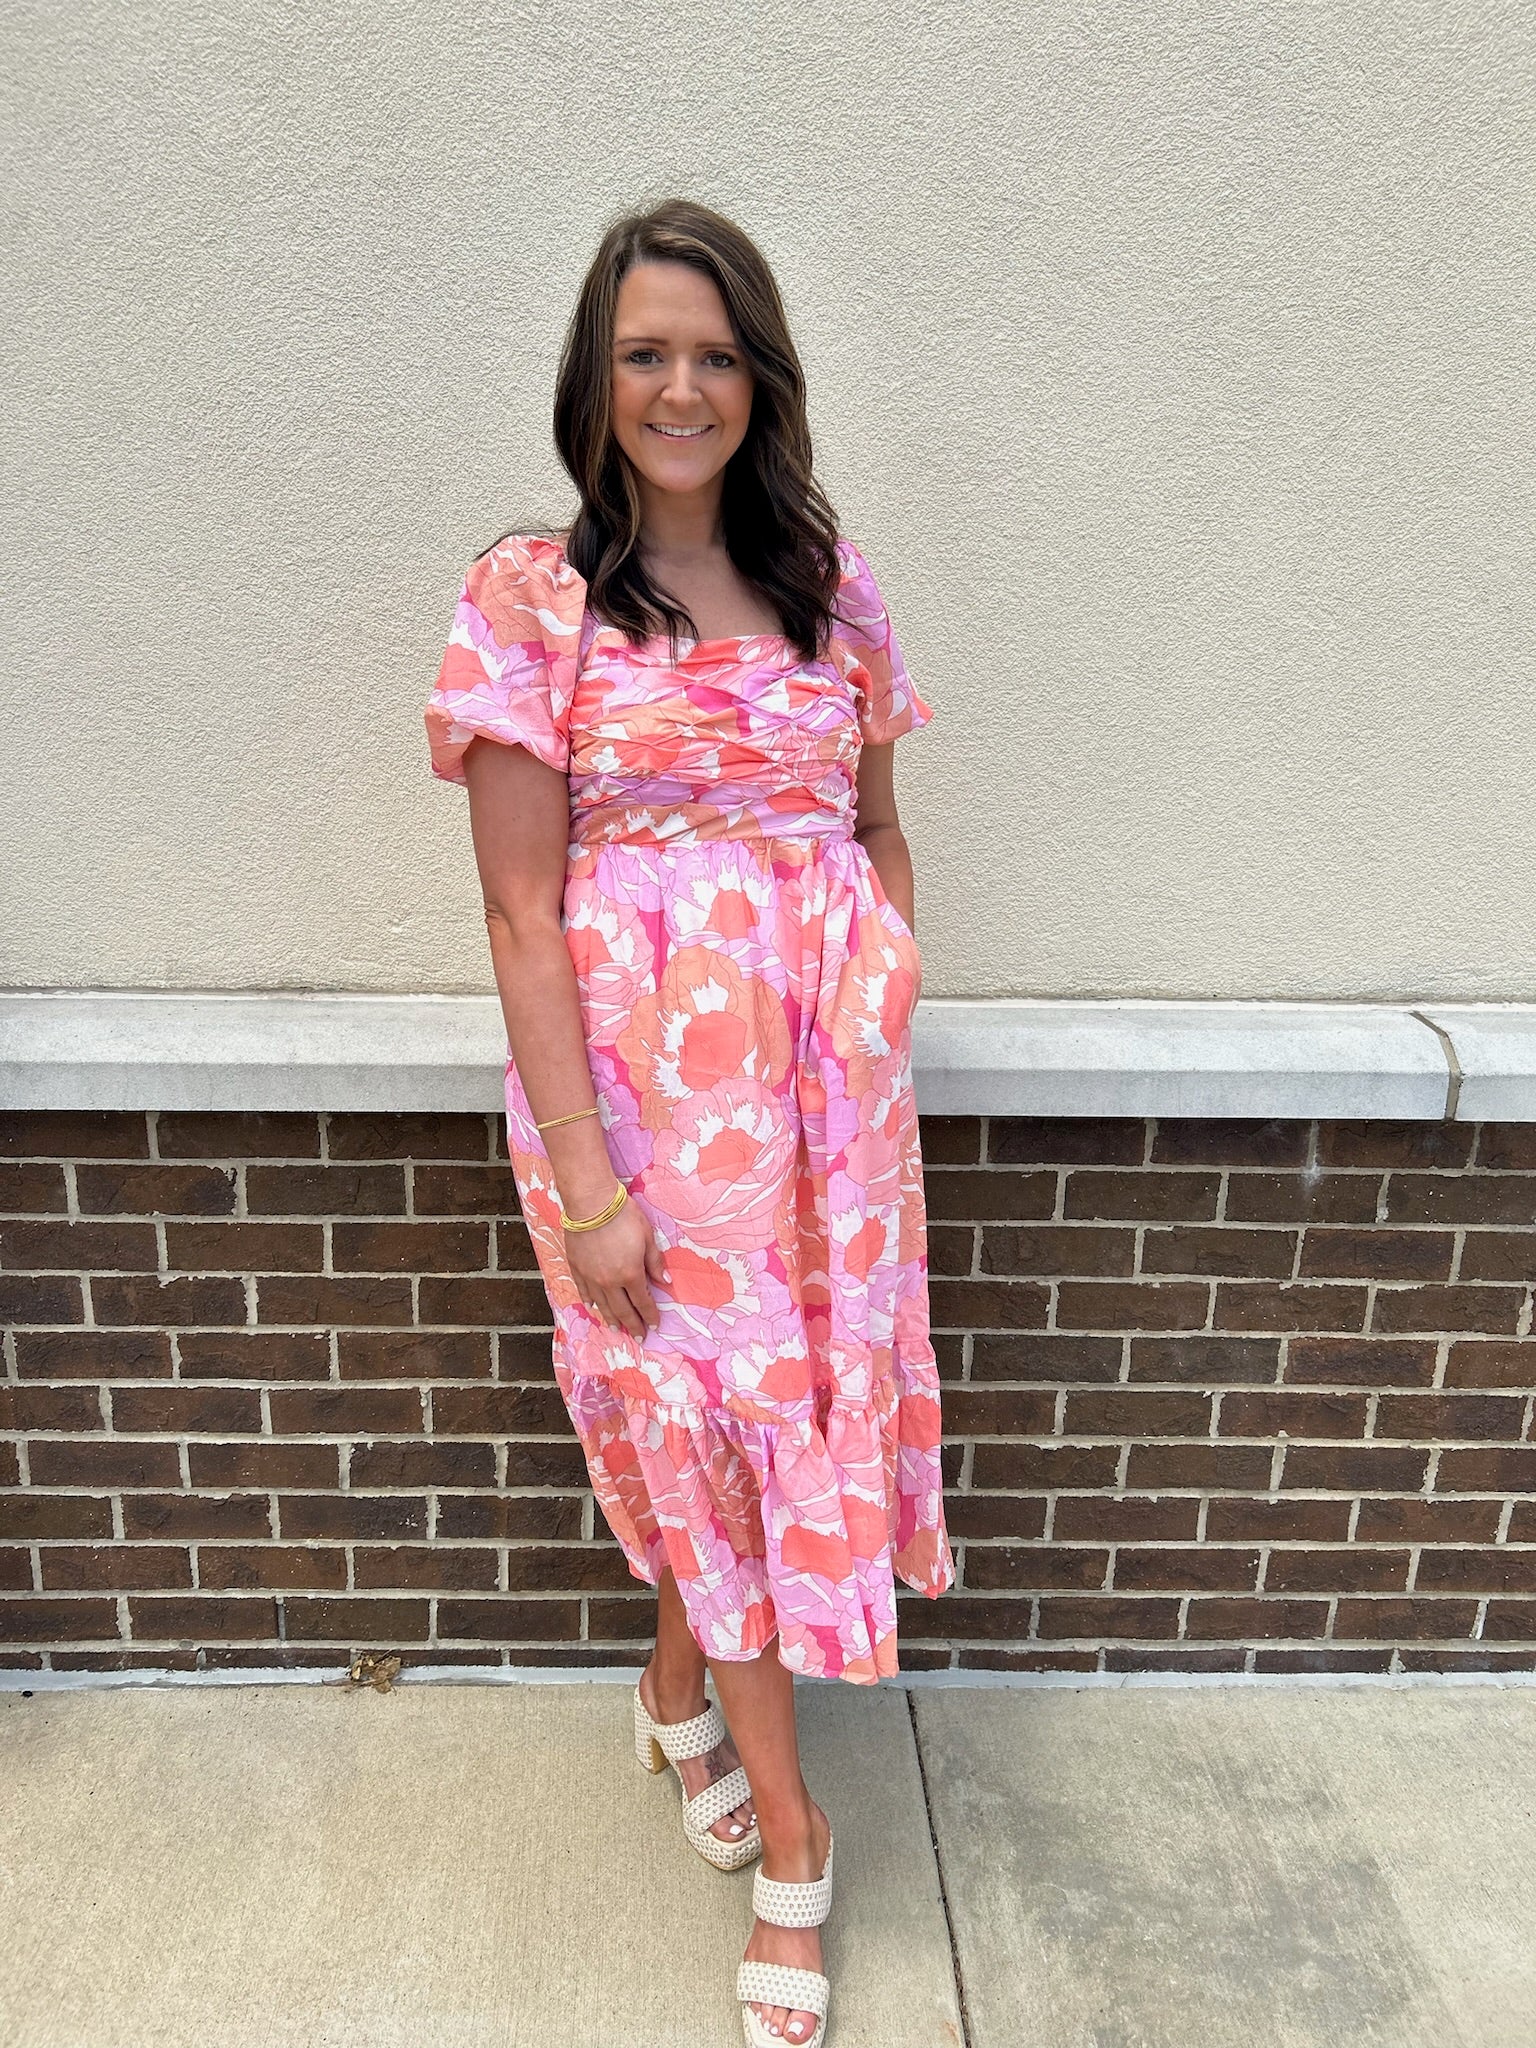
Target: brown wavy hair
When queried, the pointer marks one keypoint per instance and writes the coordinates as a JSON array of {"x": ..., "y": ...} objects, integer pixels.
[{"x": 780, "y": 530}]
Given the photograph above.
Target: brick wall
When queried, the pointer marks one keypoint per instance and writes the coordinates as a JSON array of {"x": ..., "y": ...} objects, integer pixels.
[{"x": 1224, "y": 1396}]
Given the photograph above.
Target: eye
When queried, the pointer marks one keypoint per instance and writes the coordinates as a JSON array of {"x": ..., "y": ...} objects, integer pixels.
[
  {"x": 726, "y": 361},
  {"x": 634, "y": 352}
]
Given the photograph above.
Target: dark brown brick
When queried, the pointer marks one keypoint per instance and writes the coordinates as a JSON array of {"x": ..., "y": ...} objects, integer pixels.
[
  {"x": 586, "y": 1568},
  {"x": 1419, "y": 1620},
  {"x": 1508, "y": 1146},
  {"x": 346, "y": 1411},
  {"x": 10, "y": 1469},
  {"x": 1080, "y": 1615},
  {"x": 989, "y": 1304},
  {"x": 1350, "y": 1570},
  {"x": 1206, "y": 1361},
  {"x": 58, "y": 1247},
  {"x": 464, "y": 1190},
  {"x": 1322, "y": 1660},
  {"x": 1377, "y": 1254},
  {"x": 989, "y": 1618},
  {"x": 1287, "y": 1414},
  {"x": 189, "y": 1517},
  {"x": 1176, "y": 1657},
  {"x": 255, "y": 1567},
  {"x": 414, "y": 1354},
  {"x": 35, "y": 1517},
  {"x": 325, "y": 1190},
  {"x": 541, "y": 1621},
  {"x": 32, "y": 1408},
  {"x": 1277, "y": 1521},
  {"x": 1220, "y": 1250},
  {"x": 516, "y": 1517},
  {"x": 29, "y": 1188},
  {"x": 1477, "y": 1571},
  {"x": 15, "y": 1570},
  {"x": 1144, "y": 1197},
  {"x": 951, "y": 1250},
  {"x": 489, "y": 1302},
  {"x": 1288, "y": 1305},
  {"x": 1495, "y": 1311},
  {"x": 1353, "y": 1468},
  {"x": 1132, "y": 1305},
  {"x": 1473, "y": 1418},
  {"x": 1013, "y": 1568},
  {"x": 1399, "y": 1144},
  {"x": 34, "y": 1620},
  {"x": 1056, "y": 1248},
  {"x": 1466, "y": 1660},
  {"x": 1508, "y": 1468},
  {"x": 245, "y": 1247},
  {"x": 1123, "y": 1518},
  {"x": 1048, "y": 1358},
  {"x": 1041, "y": 1468},
  {"x": 1507, "y": 1621},
  {"x": 1257, "y": 1620},
  {"x": 1522, "y": 1527},
  {"x": 102, "y": 1462},
  {"x": 991, "y": 1514},
  {"x": 190, "y": 1619},
  {"x": 425, "y": 1464},
  {"x": 40, "y": 1298},
  {"x": 93, "y": 1354},
  {"x": 1492, "y": 1365},
  {"x": 1461, "y": 1198},
  {"x": 263, "y": 1464},
  {"x": 1229, "y": 1141},
  {"x": 504, "y": 1411},
  {"x": 371, "y": 1619},
  {"x": 118, "y": 1567},
  {"x": 1137, "y": 1412},
  {"x": 155, "y": 1190},
  {"x": 254, "y": 1355},
  {"x": 1416, "y": 1520},
  {"x": 186, "y": 1411},
  {"x": 1499, "y": 1255},
  {"x": 402, "y": 1135},
  {"x": 990, "y": 1658},
  {"x": 74, "y": 1134},
  {"x": 427, "y": 1567},
  {"x": 243, "y": 1134},
  {"x": 984, "y": 1195},
  {"x": 1065, "y": 1141},
  {"x": 315, "y": 1298},
  {"x": 998, "y": 1411},
  {"x": 1223, "y": 1468},
  {"x": 347, "y": 1517},
  {"x": 1359, "y": 1362},
  {"x": 124, "y": 1299},
  {"x": 536, "y": 1464},
  {"x": 951, "y": 1140},
  {"x": 1203, "y": 1570},
  {"x": 451, "y": 1247},
  {"x": 1294, "y": 1198}
]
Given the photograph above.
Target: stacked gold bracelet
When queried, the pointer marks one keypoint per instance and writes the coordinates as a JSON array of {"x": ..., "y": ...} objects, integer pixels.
[{"x": 603, "y": 1216}]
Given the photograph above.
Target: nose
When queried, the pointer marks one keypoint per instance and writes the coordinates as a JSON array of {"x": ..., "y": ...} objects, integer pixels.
[{"x": 681, "y": 387}]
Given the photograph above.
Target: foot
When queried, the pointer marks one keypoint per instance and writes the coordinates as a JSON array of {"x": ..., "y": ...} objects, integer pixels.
[
  {"x": 799, "y": 1947},
  {"x": 698, "y": 1771}
]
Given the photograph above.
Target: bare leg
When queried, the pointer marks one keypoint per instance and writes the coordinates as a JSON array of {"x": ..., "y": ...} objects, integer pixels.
[
  {"x": 672, "y": 1689},
  {"x": 759, "y": 1702}
]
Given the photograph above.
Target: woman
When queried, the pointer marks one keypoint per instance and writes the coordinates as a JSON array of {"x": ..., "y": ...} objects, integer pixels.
[{"x": 676, "y": 724}]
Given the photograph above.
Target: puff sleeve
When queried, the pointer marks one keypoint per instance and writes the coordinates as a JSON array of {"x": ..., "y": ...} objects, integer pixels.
[
  {"x": 888, "y": 702},
  {"x": 508, "y": 671}
]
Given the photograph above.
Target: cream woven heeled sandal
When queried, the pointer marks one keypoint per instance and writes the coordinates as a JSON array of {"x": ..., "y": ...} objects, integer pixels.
[
  {"x": 658, "y": 1743},
  {"x": 786, "y": 1905}
]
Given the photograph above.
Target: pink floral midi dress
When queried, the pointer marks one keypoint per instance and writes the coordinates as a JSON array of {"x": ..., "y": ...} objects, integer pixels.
[{"x": 746, "y": 991}]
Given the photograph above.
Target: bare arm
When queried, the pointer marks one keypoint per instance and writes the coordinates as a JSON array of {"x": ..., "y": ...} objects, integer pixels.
[
  {"x": 878, "y": 829},
  {"x": 519, "y": 813}
]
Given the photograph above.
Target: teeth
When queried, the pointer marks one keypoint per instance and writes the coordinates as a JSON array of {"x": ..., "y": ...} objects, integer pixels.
[{"x": 679, "y": 433}]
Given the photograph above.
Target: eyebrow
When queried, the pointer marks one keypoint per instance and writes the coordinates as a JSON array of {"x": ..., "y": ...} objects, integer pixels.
[{"x": 660, "y": 340}]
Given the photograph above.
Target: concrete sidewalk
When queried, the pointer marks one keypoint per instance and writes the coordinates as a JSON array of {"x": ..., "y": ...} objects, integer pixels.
[{"x": 486, "y": 1867}]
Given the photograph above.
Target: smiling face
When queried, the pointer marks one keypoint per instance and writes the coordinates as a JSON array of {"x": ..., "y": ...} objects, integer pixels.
[{"x": 682, "y": 387}]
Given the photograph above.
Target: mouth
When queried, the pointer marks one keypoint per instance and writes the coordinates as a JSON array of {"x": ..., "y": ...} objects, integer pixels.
[{"x": 683, "y": 434}]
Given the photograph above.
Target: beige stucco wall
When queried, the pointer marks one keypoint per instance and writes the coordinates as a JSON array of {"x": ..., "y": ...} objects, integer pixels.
[{"x": 1173, "y": 363}]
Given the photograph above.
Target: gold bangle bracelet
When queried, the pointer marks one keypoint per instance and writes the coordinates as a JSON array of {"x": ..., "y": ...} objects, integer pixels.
[
  {"x": 603, "y": 1216},
  {"x": 574, "y": 1117}
]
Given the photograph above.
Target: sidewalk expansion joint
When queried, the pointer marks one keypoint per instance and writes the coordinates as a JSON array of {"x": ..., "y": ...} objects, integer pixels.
[{"x": 938, "y": 1864}]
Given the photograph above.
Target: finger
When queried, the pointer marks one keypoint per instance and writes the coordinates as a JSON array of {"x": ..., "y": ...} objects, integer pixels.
[
  {"x": 641, "y": 1300},
  {"x": 620, "y": 1311},
  {"x": 656, "y": 1260}
]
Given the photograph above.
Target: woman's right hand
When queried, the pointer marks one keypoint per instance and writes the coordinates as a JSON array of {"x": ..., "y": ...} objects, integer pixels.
[{"x": 613, "y": 1267}]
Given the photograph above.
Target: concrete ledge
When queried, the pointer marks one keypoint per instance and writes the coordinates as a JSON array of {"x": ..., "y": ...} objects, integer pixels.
[{"x": 66, "y": 1049}]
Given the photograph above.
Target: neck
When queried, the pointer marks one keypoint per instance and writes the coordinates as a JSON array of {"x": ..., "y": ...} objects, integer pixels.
[{"x": 677, "y": 525}]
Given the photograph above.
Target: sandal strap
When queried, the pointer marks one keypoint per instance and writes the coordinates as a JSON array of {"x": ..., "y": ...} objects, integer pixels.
[
  {"x": 778, "y": 1984},
  {"x": 793, "y": 1905},
  {"x": 682, "y": 1739},
  {"x": 717, "y": 1798}
]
